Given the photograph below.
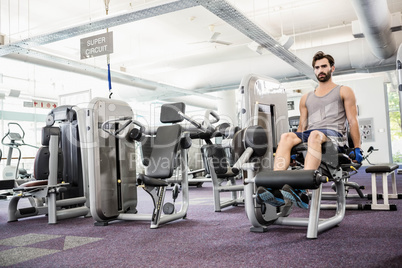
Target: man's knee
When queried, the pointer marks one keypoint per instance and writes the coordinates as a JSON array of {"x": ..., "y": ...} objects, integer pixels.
[
  {"x": 317, "y": 137},
  {"x": 289, "y": 139}
]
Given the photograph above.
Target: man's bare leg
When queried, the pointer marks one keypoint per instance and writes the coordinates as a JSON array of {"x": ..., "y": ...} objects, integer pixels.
[
  {"x": 314, "y": 152},
  {"x": 282, "y": 155}
]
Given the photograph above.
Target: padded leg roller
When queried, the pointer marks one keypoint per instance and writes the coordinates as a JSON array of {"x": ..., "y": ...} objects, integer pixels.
[{"x": 298, "y": 179}]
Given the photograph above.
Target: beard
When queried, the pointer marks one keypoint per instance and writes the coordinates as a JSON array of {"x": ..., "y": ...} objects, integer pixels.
[{"x": 325, "y": 77}]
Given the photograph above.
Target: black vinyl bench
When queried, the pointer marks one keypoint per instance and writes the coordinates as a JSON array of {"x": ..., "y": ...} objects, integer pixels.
[{"x": 383, "y": 170}]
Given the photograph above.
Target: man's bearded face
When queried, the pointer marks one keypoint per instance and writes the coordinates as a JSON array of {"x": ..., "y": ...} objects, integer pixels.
[{"x": 324, "y": 77}]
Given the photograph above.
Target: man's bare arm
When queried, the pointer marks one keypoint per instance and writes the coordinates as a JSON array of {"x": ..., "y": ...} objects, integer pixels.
[{"x": 349, "y": 101}]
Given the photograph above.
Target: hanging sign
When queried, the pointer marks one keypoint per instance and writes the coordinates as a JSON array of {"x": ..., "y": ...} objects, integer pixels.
[
  {"x": 97, "y": 45},
  {"x": 44, "y": 104}
]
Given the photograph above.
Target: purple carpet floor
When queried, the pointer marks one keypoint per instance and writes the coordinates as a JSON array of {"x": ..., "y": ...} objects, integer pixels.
[{"x": 205, "y": 239}]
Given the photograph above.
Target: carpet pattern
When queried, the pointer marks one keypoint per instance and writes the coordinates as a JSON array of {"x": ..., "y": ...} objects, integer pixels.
[{"x": 205, "y": 239}]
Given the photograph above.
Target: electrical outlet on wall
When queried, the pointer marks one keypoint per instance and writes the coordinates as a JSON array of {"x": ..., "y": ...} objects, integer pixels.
[{"x": 366, "y": 129}]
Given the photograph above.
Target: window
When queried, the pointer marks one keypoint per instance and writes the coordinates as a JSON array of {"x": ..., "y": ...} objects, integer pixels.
[{"x": 395, "y": 123}]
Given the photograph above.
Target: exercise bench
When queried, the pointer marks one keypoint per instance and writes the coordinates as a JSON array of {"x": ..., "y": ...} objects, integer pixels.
[{"x": 383, "y": 170}]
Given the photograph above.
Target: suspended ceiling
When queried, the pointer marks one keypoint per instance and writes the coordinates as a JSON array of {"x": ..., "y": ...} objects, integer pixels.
[{"x": 164, "y": 51}]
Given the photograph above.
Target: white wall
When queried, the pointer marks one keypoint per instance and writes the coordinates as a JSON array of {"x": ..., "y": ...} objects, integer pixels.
[{"x": 371, "y": 100}]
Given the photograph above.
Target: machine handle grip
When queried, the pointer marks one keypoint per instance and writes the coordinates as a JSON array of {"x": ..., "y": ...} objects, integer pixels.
[{"x": 207, "y": 124}]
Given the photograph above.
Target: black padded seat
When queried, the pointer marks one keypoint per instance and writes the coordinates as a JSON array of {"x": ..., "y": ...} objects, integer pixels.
[
  {"x": 383, "y": 171},
  {"x": 162, "y": 160},
  {"x": 332, "y": 156},
  {"x": 6, "y": 185},
  {"x": 330, "y": 153},
  {"x": 382, "y": 168},
  {"x": 151, "y": 181}
]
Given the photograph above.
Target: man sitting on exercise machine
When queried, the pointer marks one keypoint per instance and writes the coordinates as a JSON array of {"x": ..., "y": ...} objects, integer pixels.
[{"x": 323, "y": 115}]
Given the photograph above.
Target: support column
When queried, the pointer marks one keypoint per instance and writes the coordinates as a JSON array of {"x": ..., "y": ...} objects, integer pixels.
[{"x": 227, "y": 106}]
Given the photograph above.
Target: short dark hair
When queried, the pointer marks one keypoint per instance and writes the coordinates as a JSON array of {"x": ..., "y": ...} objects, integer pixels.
[{"x": 321, "y": 55}]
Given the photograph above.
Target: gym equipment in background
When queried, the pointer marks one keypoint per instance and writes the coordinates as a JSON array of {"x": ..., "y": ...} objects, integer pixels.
[
  {"x": 49, "y": 194},
  {"x": 109, "y": 140},
  {"x": 13, "y": 175},
  {"x": 218, "y": 159},
  {"x": 15, "y": 135}
]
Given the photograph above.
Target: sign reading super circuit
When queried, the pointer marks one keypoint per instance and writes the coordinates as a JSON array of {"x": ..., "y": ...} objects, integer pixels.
[{"x": 97, "y": 45}]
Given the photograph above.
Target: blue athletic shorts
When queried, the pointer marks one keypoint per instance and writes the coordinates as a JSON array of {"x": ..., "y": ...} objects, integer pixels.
[
  {"x": 334, "y": 136},
  {"x": 331, "y": 134}
]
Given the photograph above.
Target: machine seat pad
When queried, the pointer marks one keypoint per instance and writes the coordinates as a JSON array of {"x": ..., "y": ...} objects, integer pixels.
[
  {"x": 382, "y": 168},
  {"x": 7, "y": 184},
  {"x": 33, "y": 183},
  {"x": 149, "y": 181},
  {"x": 330, "y": 153},
  {"x": 328, "y": 146},
  {"x": 301, "y": 147}
]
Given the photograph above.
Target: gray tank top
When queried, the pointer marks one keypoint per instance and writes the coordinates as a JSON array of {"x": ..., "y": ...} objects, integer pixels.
[{"x": 327, "y": 112}]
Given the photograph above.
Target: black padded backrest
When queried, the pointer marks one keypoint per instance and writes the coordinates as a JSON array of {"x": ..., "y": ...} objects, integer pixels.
[
  {"x": 47, "y": 132},
  {"x": 220, "y": 159},
  {"x": 169, "y": 112},
  {"x": 146, "y": 146},
  {"x": 238, "y": 144},
  {"x": 41, "y": 165},
  {"x": 163, "y": 155},
  {"x": 72, "y": 166}
]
